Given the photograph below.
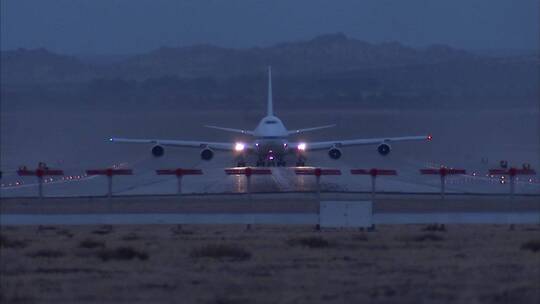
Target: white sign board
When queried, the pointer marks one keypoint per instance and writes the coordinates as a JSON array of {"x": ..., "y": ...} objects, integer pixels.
[{"x": 338, "y": 214}]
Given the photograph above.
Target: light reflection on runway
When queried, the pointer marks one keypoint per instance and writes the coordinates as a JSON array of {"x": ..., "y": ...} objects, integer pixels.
[{"x": 283, "y": 179}]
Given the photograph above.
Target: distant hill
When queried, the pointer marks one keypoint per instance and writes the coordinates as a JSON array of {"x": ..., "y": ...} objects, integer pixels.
[
  {"x": 41, "y": 66},
  {"x": 328, "y": 68},
  {"x": 321, "y": 55}
]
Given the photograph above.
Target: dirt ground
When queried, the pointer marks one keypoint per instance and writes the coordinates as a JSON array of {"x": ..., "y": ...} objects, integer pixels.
[{"x": 270, "y": 264}]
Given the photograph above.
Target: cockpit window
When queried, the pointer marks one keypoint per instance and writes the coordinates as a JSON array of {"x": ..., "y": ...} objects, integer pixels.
[{"x": 271, "y": 121}]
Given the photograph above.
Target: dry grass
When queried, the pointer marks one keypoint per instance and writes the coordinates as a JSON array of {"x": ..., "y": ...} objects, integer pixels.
[
  {"x": 221, "y": 251},
  {"x": 91, "y": 244},
  {"x": 106, "y": 229},
  {"x": 6, "y": 242},
  {"x": 435, "y": 227},
  {"x": 270, "y": 264},
  {"x": 428, "y": 237},
  {"x": 131, "y": 237},
  {"x": 46, "y": 253},
  {"x": 533, "y": 245},
  {"x": 311, "y": 242},
  {"x": 122, "y": 254}
]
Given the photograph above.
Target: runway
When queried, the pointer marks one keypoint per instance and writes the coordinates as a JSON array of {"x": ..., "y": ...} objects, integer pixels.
[
  {"x": 285, "y": 208},
  {"x": 264, "y": 218},
  {"x": 283, "y": 179}
]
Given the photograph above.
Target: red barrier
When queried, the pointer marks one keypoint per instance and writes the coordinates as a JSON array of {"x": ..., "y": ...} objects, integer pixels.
[
  {"x": 374, "y": 172},
  {"x": 442, "y": 172},
  {"x": 512, "y": 172},
  {"x": 317, "y": 172},
  {"x": 109, "y": 172},
  {"x": 248, "y": 171},
  {"x": 42, "y": 171},
  {"x": 179, "y": 172}
]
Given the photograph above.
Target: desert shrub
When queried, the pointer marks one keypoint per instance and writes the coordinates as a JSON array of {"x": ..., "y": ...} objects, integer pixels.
[
  {"x": 218, "y": 251},
  {"x": 360, "y": 237},
  {"x": 6, "y": 242},
  {"x": 428, "y": 237},
  {"x": 89, "y": 243},
  {"x": 311, "y": 242},
  {"x": 121, "y": 254},
  {"x": 229, "y": 300},
  {"x": 176, "y": 230},
  {"x": 65, "y": 232},
  {"x": 105, "y": 229},
  {"x": 46, "y": 253},
  {"x": 45, "y": 228},
  {"x": 435, "y": 227},
  {"x": 131, "y": 237},
  {"x": 68, "y": 270},
  {"x": 533, "y": 245}
]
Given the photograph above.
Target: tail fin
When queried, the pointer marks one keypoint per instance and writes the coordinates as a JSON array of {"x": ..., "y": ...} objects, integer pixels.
[{"x": 270, "y": 103}]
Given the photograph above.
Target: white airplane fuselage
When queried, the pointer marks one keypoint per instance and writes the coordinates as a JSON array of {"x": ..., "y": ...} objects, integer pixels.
[{"x": 270, "y": 139}]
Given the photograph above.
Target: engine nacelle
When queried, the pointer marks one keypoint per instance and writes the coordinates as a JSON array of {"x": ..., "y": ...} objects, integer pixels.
[
  {"x": 384, "y": 149},
  {"x": 334, "y": 153},
  {"x": 158, "y": 151},
  {"x": 207, "y": 154}
]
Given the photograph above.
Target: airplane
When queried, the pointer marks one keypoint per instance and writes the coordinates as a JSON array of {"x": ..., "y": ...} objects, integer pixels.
[{"x": 270, "y": 141}]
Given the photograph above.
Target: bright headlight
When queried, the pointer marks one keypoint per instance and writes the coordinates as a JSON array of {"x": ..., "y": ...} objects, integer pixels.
[{"x": 239, "y": 147}]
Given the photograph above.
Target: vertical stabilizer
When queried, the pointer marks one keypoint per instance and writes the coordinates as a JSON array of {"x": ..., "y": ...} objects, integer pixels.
[{"x": 270, "y": 105}]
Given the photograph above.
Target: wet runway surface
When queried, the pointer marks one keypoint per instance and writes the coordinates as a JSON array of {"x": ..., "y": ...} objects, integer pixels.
[{"x": 283, "y": 179}]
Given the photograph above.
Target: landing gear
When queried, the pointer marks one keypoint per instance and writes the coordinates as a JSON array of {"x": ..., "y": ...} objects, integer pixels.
[
  {"x": 301, "y": 161},
  {"x": 241, "y": 164}
]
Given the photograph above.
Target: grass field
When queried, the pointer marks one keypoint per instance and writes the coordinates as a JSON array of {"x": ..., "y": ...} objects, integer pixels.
[{"x": 270, "y": 264}]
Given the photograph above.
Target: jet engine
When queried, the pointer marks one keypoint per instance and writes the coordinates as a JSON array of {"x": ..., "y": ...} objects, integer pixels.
[
  {"x": 207, "y": 154},
  {"x": 334, "y": 153},
  {"x": 384, "y": 149},
  {"x": 158, "y": 151}
]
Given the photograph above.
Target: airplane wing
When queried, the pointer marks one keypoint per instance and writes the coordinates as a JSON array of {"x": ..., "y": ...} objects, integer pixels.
[
  {"x": 292, "y": 132},
  {"x": 231, "y": 130},
  {"x": 178, "y": 143},
  {"x": 321, "y": 145}
]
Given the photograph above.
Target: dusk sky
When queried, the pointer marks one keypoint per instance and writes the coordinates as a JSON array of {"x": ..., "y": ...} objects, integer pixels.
[{"x": 133, "y": 26}]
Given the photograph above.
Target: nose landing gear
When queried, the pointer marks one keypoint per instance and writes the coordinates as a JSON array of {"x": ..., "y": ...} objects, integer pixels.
[{"x": 301, "y": 161}]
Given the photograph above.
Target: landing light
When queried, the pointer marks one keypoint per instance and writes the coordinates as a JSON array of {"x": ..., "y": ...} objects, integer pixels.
[
  {"x": 302, "y": 146},
  {"x": 429, "y": 137},
  {"x": 239, "y": 147}
]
